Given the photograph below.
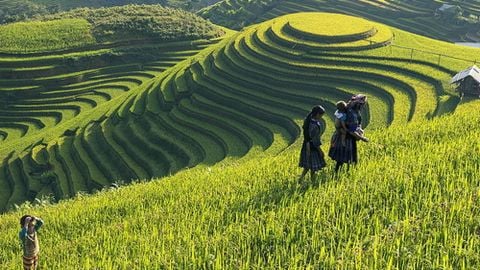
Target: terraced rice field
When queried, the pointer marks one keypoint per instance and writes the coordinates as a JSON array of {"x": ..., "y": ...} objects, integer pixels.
[
  {"x": 47, "y": 95},
  {"x": 413, "y": 16},
  {"x": 411, "y": 203},
  {"x": 242, "y": 97}
]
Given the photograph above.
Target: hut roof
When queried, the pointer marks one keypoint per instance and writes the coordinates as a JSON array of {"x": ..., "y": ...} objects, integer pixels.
[
  {"x": 473, "y": 71},
  {"x": 449, "y": 8}
]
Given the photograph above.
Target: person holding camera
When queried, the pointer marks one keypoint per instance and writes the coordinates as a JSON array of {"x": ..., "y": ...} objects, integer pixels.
[{"x": 29, "y": 240}]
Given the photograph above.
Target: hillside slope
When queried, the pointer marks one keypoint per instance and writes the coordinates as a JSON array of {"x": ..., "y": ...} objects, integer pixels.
[
  {"x": 104, "y": 28},
  {"x": 67, "y": 5},
  {"x": 52, "y": 79},
  {"x": 247, "y": 93},
  {"x": 20, "y": 10},
  {"x": 418, "y": 17},
  {"x": 411, "y": 203}
]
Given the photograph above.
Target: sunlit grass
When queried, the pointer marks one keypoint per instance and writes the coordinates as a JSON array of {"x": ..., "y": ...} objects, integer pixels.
[{"x": 409, "y": 204}]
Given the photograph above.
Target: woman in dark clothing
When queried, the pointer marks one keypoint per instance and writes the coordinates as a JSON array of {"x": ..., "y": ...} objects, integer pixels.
[
  {"x": 347, "y": 153},
  {"x": 312, "y": 157}
]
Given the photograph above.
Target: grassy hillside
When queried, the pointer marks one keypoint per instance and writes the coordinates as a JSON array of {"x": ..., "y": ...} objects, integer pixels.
[
  {"x": 19, "y": 10},
  {"x": 45, "y": 36},
  {"x": 411, "y": 203},
  {"x": 67, "y": 5},
  {"x": 413, "y": 16},
  {"x": 48, "y": 94},
  {"x": 131, "y": 24},
  {"x": 142, "y": 22},
  {"x": 247, "y": 93}
]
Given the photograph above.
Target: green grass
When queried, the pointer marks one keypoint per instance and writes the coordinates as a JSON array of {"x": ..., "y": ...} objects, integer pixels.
[
  {"x": 413, "y": 16},
  {"x": 409, "y": 204},
  {"x": 142, "y": 22},
  {"x": 25, "y": 37},
  {"x": 231, "y": 115},
  {"x": 83, "y": 87},
  {"x": 20, "y": 10},
  {"x": 329, "y": 25},
  {"x": 94, "y": 29},
  {"x": 242, "y": 97}
]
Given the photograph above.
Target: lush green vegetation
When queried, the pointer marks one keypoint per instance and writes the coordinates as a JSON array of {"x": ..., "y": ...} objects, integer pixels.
[
  {"x": 45, "y": 36},
  {"x": 411, "y": 203},
  {"x": 132, "y": 22},
  {"x": 99, "y": 28},
  {"x": 19, "y": 10},
  {"x": 46, "y": 95},
  {"x": 230, "y": 109},
  {"x": 414, "y": 16},
  {"x": 248, "y": 92},
  {"x": 67, "y": 5}
]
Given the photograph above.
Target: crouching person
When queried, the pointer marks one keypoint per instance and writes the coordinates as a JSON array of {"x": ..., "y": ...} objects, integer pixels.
[{"x": 30, "y": 244}]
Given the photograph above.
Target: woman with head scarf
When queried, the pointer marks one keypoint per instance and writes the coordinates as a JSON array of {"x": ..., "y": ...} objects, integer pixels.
[
  {"x": 312, "y": 157},
  {"x": 346, "y": 153}
]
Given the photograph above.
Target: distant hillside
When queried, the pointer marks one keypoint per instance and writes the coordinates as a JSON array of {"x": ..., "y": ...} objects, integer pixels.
[
  {"x": 19, "y": 10},
  {"x": 68, "y": 4},
  {"x": 421, "y": 17},
  {"x": 25, "y": 37},
  {"x": 142, "y": 21},
  {"x": 84, "y": 27}
]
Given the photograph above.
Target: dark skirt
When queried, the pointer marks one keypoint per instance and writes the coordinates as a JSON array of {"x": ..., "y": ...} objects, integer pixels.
[
  {"x": 340, "y": 153},
  {"x": 314, "y": 162}
]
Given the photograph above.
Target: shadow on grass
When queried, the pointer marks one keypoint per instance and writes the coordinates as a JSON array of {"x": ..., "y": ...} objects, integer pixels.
[{"x": 280, "y": 193}]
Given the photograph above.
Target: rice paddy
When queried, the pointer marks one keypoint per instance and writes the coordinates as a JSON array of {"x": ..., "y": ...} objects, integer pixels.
[{"x": 218, "y": 123}]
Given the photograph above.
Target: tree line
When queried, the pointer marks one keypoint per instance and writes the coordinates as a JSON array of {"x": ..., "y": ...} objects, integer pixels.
[{"x": 20, "y": 10}]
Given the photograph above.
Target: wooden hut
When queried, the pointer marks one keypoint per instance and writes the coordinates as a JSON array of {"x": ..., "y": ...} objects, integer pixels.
[
  {"x": 468, "y": 81},
  {"x": 448, "y": 11}
]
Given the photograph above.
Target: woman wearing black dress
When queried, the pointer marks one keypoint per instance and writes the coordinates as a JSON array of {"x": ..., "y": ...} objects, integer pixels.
[
  {"x": 312, "y": 157},
  {"x": 346, "y": 153}
]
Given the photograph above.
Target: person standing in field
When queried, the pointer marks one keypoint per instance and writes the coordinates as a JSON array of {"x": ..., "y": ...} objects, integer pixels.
[
  {"x": 346, "y": 152},
  {"x": 341, "y": 124},
  {"x": 312, "y": 157},
  {"x": 29, "y": 240}
]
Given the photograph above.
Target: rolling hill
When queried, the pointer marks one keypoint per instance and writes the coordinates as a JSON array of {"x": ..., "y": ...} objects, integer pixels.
[
  {"x": 51, "y": 79},
  {"x": 413, "y": 16},
  {"x": 104, "y": 27},
  {"x": 246, "y": 93},
  {"x": 20, "y": 10}
]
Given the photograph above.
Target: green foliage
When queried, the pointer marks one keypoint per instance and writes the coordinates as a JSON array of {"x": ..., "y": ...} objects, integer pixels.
[
  {"x": 239, "y": 14},
  {"x": 183, "y": 4},
  {"x": 19, "y": 10},
  {"x": 410, "y": 204},
  {"x": 413, "y": 16},
  {"x": 85, "y": 27},
  {"x": 140, "y": 22},
  {"x": 24, "y": 37},
  {"x": 247, "y": 93}
]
